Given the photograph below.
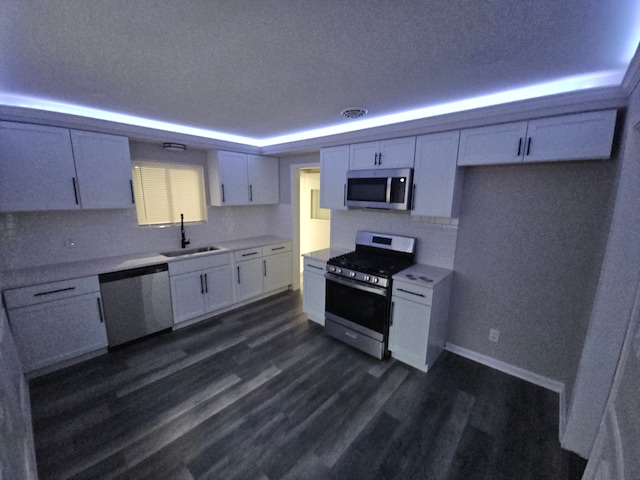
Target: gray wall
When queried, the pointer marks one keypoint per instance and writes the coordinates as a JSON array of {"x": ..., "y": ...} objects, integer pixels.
[{"x": 530, "y": 244}]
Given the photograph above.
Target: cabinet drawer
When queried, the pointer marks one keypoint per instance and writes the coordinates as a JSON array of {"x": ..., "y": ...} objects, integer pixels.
[
  {"x": 200, "y": 263},
  {"x": 46, "y": 292},
  {"x": 414, "y": 293},
  {"x": 248, "y": 254},
  {"x": 314, "y": 266},
  {"x": 276, "y": 248}
]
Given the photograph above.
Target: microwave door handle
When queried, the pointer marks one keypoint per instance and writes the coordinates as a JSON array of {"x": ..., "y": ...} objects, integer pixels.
[{"x": 388, "y": 196}]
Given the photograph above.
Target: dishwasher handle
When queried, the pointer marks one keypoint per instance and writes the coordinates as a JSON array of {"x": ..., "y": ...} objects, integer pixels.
[{"x": 132, "y": 272}]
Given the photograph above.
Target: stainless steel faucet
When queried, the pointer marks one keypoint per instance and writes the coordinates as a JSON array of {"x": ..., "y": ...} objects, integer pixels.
[{"x": 183, "y": 238}]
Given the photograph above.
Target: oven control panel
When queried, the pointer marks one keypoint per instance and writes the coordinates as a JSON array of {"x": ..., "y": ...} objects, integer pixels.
[{"x": 343, "y": 272}]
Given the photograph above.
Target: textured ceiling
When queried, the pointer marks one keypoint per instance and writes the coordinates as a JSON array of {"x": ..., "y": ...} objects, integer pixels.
[{"x": 266, "y": 68}]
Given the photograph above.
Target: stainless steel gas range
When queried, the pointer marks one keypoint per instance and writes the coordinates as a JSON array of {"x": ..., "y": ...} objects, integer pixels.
[{"x": 358, "y": 290}]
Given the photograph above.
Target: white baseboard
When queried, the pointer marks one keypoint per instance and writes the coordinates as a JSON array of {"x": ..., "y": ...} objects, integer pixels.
[{"x": 521, "y": 373}]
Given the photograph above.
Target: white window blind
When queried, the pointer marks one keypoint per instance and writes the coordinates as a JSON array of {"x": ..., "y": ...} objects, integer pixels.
[{"x": 163, "y": 191}]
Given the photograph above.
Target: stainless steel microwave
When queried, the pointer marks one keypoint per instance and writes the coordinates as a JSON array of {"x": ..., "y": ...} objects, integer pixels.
[{"x": 388, "y": 188}]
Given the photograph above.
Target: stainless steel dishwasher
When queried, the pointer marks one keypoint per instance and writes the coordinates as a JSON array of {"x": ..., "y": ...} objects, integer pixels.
[{"x": 136, "y": 302}]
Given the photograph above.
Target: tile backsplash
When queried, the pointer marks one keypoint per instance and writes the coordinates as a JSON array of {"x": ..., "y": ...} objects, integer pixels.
[{"x": 436, "y": 236}]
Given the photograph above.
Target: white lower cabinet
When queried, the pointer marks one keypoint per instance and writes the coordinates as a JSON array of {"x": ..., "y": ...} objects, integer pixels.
[
  {"x": 419, "y": 314},
  {"x": 248, "y": 279},
  {"x": 313, "y": 289},
  {"x": 200, "y": 285},
  {"x": 55, "y": 322},
  {"x": 262, "y": 270},
  {"x": 277, "y": 266}
]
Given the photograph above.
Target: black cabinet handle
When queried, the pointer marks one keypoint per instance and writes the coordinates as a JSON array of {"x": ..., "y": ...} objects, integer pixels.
[
  {"x": 100, "y": 310},
  {"x": 313, "y": 266},
  {"x": 344, "y": 194},
  {"x": 39, "y": 294},
  {"x": 412, "y": 293},
  {"x": 277, "y": 248},
  {"x": 206, "y": 284},
  {"x": 249, "y": 254},
  {"x": 380, "y": 158},
  {"x": 251, "y": 193},
  {"x": 375, "y": 159},
  {"x": 238, "y": 275},
  {"x": 75, "y": 190},
  {"x": 264, "y": 268},
  {"x": 528, "y": 146},
  {"x": 201, "y": 284},
  {"x": 519, "y": 146},
  {"x": 222, "y": 185},
  {"x": 133, "y": 198}
]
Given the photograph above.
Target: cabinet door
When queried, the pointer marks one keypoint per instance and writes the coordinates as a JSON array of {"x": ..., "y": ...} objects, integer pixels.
[
  {"x": 248, "y": 279},
  {"x": 313, "y": 295},
  {"x": 397, "y": 153},
  {"x": 277, "y": 271},
  {"x": 494, "y": 144},
  {"x": 51, "y": 332},
  {"x": 218, "y": 291},
  {"x": 36, "y": 168},
  {"x": 187, "y": 295},
  {"x": 103, "y": 165},
  {"x": 334, "y": 164},
  {"x": 363, "y": 155},
  {"x": 234, "y": 181},
  {"x": 583, "y": 136},
  {"x": 437, "y": 178},
  {"x": 409, "y": 332},
  {"x": 264, "y": 180}
]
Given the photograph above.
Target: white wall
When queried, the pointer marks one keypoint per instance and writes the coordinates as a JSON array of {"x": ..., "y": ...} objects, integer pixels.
[
  {"x": 40, "y": 238},
  {"x": 436, "y": 237},
  {"x": 614, "y": 299}
]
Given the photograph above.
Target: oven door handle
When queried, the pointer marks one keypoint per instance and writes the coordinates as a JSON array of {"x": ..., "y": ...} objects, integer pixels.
[{"x": 357, "y": 285}]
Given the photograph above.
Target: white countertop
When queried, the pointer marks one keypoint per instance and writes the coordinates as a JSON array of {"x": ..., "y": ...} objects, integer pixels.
[
  {"x": 420, "y": 274},
  {"x": 324, "y": 254},
  {"x": 64, "y": 271}
]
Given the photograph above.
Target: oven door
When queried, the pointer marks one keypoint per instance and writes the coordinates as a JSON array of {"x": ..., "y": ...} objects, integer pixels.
[{"x": 361, "y": 307}]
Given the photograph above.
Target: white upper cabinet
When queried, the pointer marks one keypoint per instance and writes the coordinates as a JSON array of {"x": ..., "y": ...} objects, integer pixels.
[
  {"x": 334, "y": 164},
  {"x": 264, "y": 179},
  {"x": 394, "y": 153},
  {"x": 36, "y": 168},
  {"x": 437, "y": 179},
  {"x": 494, "y": 144},
  {"x": 241, "y": 179},
  {"x": 580, "y": 136},
  {"x": 583, "y": 136},
  {"x": 42, "y": 169},
  {"x": 103, "y": 167}
]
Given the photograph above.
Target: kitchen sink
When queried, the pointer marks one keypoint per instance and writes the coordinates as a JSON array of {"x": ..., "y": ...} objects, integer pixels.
[{"x": 189, "y": 251}]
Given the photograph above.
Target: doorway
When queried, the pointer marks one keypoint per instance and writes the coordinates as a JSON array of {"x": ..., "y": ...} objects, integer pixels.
[
  {"x": 311, "y": 223},
  {"x": 314, "y": 220}
]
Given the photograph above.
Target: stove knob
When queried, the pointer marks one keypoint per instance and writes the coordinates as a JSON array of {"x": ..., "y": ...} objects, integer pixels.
[
  {"x": 352, "y": 274},
  {"x": 338, "y": 270},
  {"x": 367, "y": 278},
  {"x": 332, "y": 269},
  {"x": 375, "y": 280}
]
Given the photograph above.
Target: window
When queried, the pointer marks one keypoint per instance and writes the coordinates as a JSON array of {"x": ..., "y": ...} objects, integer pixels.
[{"x": 164, "y": 190}]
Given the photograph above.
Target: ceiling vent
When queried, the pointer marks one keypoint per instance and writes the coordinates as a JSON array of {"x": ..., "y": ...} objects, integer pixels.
[
  {"x": 174, "y": 147},
  {"x": 354, "y": 112}
]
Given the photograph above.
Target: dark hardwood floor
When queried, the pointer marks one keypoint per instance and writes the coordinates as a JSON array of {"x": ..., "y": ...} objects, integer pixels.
[{"x": 262, "y": 394}]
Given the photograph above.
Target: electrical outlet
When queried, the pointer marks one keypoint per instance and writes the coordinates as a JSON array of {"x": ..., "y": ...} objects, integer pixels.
[{"x": 494, "y": 335}]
